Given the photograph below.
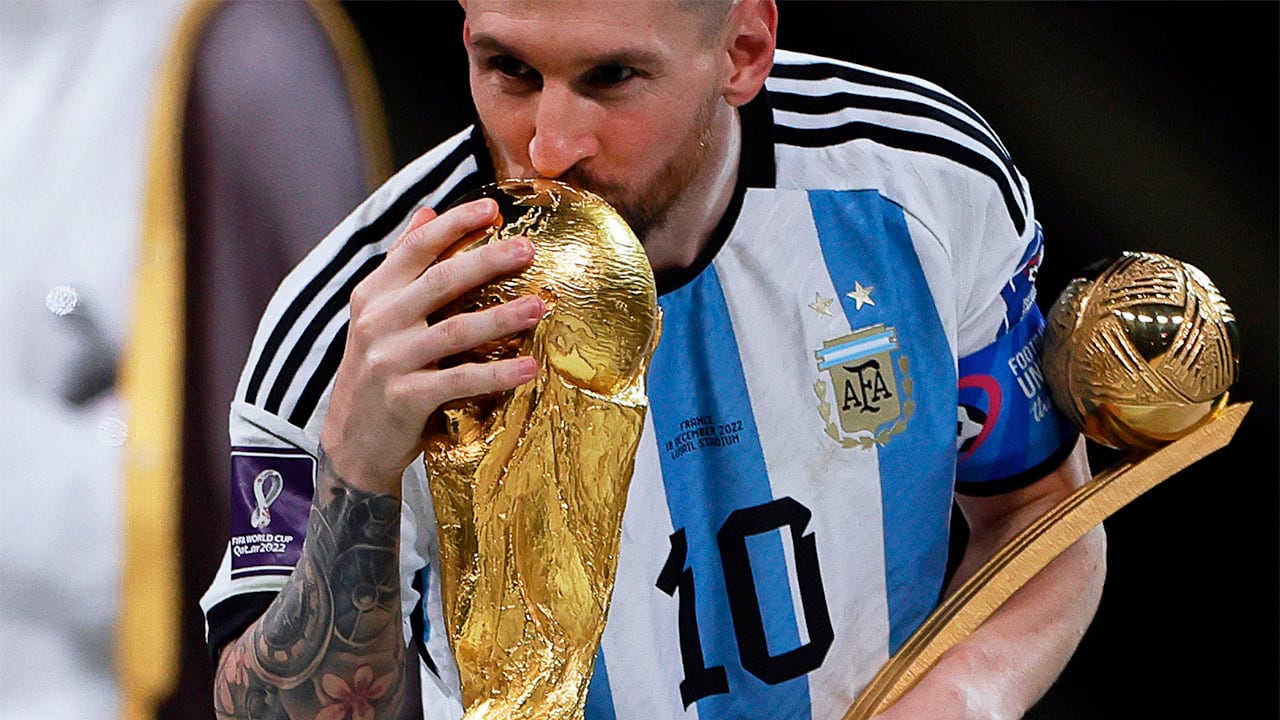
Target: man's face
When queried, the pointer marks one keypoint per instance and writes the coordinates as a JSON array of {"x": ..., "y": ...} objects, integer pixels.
[{"x": 614, "y": 97}]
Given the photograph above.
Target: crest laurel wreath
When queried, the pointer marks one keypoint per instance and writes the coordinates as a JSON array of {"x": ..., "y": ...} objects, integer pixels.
[{"x": 880, "y": 438}]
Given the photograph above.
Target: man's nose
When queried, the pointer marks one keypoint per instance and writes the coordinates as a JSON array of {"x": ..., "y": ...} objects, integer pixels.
[{"x": 563, "y": 133}]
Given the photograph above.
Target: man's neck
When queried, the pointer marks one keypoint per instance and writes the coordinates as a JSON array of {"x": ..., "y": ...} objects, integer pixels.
[{"x": 678, "y": 241}]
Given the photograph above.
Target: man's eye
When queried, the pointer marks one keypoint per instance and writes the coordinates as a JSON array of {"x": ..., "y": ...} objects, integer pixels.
[
  {"x": 611, "y": 74},
  {"x": 511, "y": 67}
]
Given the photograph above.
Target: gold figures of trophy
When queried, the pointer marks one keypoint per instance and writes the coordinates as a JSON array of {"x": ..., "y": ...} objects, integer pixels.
[
  {"x": 529, "y": 485},
  {"x": 1140, "y": 356}
]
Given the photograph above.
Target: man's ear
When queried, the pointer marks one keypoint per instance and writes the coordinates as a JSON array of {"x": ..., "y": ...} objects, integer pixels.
[
  {"x": 752, "y": 38},
  {"x": 466, "y": 30}
]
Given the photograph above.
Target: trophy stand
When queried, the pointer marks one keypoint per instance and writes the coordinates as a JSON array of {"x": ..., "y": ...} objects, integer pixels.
[{"x": 1033, "y": 548}]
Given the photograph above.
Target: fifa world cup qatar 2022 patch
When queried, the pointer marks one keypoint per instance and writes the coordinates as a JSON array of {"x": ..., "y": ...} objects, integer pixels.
[{"x": 271, "y": 491}]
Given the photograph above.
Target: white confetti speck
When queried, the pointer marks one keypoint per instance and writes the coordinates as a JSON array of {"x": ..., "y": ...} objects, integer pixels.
[
  {"x": 62, "y": 300},
  {"x": 113, "y": 431}
]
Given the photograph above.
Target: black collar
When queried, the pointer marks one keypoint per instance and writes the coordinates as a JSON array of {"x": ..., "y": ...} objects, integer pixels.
[{"x": 756, "y": 169}]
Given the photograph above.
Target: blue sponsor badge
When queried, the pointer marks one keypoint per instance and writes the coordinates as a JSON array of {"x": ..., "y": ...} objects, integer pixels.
[
  {"x": 271, "y": 493},
  {"x": 1007, "y": 422}
]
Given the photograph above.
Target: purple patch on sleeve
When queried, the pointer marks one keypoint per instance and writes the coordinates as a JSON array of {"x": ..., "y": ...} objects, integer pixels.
[{"x": 271, "y": 493}]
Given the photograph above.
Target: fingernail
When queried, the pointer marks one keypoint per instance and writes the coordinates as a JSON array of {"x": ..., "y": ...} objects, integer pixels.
[
  {"x": 484, "y": 208},
  {"x": 520, "y": 248},
  {"x": 527, "y": 369},
  {"x": 534, "y": 307},
  {"x": 420, "y": 218}
]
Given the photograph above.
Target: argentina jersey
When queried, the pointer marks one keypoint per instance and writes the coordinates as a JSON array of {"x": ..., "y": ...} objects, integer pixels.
[
  {"x": 787, "y": 521},
  {"x": 787, "y": 527},
  {"x": 857, "y": 344}
]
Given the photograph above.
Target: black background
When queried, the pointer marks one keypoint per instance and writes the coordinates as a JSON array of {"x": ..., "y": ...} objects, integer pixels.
[{"x": 1140, "y": 126}]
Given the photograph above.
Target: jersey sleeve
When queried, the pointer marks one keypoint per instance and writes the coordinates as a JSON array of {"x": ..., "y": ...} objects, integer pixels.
[
  {"x": 1008, "y": 431},
  {"x": 283, "y": 394},
  {"x": 272, "y": 480}
]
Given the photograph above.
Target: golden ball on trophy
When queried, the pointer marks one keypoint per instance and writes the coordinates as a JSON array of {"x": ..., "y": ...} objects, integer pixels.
[{"x": 1141, "y": 352}]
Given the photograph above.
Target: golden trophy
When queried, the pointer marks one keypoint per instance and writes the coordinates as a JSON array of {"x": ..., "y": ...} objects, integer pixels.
[
  {"x": 529, "y": 485},
  {"x": 1140, "y": 356}
]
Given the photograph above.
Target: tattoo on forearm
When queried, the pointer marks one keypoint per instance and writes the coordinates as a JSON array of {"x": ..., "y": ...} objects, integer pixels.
[{"x": 330, "y": 646}]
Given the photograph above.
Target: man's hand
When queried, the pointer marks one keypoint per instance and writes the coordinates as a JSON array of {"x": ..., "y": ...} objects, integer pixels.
[{"x": 388, "y": 383}]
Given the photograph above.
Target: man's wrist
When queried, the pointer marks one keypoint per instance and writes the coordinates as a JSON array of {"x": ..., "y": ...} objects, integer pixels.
[{"x": 343, "y": 473}]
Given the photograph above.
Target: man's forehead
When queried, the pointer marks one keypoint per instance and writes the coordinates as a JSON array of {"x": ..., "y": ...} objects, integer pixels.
[
  {"x": 579, "y": 26},
  {"x": 613, "y": 7}
]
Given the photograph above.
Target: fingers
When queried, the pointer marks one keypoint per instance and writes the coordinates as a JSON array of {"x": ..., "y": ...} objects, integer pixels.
[
  {"x": 433, "y": 388},
  {"x": 426, "y": 237},
  {"x": 388, "y": 382},
  {"x": 448, "y": 279},
  {"x": 468, "y": 330}
]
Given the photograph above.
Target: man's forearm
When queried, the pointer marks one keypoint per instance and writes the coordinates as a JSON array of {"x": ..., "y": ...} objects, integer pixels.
[
  {"x": 1005, "y": 666},
  {"x": 1008, "y": 663},
  {"x": 331, "y": 644}
]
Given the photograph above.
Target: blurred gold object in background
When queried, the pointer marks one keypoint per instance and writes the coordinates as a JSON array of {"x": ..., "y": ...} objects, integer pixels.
[
  {"x": 529, "y": 486},
  {"x": 1140, "y": 357},
  {"x": 1141, "y": 353}
]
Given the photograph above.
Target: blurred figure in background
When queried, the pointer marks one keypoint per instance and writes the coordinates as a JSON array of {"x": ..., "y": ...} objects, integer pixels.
[
  {"x": 76, "y": 81},
  {"x": 256, "y": 133}
]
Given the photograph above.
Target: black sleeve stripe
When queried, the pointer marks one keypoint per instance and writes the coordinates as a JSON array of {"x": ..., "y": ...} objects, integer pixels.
[
  {"x": 828, "y": 104},
  {"x": 418, "y": 624},
  {"x": 315, "y": 386},
  {"x": 911, "y": 141},
  {"x": 307, "y": 402},
  {"x": 464, "y": 186},
  {"x": 302, "y": 348},
  {"x": 991, "y": 488},
  {"x": 863, "y": 76},
  {"x": 230, "y": 618},
  {"x": 367, "y": 235}
]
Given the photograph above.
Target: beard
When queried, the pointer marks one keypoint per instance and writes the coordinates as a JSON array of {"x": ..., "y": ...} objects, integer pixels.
[{"x": 646, "y": 205}]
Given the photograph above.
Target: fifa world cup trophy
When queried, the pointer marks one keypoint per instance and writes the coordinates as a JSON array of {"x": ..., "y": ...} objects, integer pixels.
[
  {"x": 529, "y": 485},
  {"x": 1140, "y": 354}
]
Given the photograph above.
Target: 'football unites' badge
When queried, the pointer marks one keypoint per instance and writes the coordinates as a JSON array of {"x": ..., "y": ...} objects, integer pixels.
[{"x": 868, "y": 386}]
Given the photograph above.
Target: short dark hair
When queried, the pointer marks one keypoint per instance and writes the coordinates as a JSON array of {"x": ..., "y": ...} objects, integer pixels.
[{"x": 711, "y": 14}]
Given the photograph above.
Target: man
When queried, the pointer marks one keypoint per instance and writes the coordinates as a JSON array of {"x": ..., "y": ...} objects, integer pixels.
[{"x": 845, "y": 261}]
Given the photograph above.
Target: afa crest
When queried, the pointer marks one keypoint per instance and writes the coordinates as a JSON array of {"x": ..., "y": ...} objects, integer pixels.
[{"x": 868, "y": 387}]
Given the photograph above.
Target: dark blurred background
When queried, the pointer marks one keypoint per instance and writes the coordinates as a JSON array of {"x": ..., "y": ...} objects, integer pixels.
[{"x": 1143, "y": 126}]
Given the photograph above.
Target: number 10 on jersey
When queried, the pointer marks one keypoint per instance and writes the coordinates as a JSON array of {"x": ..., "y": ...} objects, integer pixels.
[{"x": 677, "y": 580}]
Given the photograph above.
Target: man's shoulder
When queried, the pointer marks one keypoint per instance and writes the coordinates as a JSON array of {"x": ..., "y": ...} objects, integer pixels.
[
  {"x": 792, "y": 65},
  {"x": 454, "y": 164},
  {"x": 841, "y": 124},
  {"x": 821, "y": 100},
  {"x": 301, "y": 335}
]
